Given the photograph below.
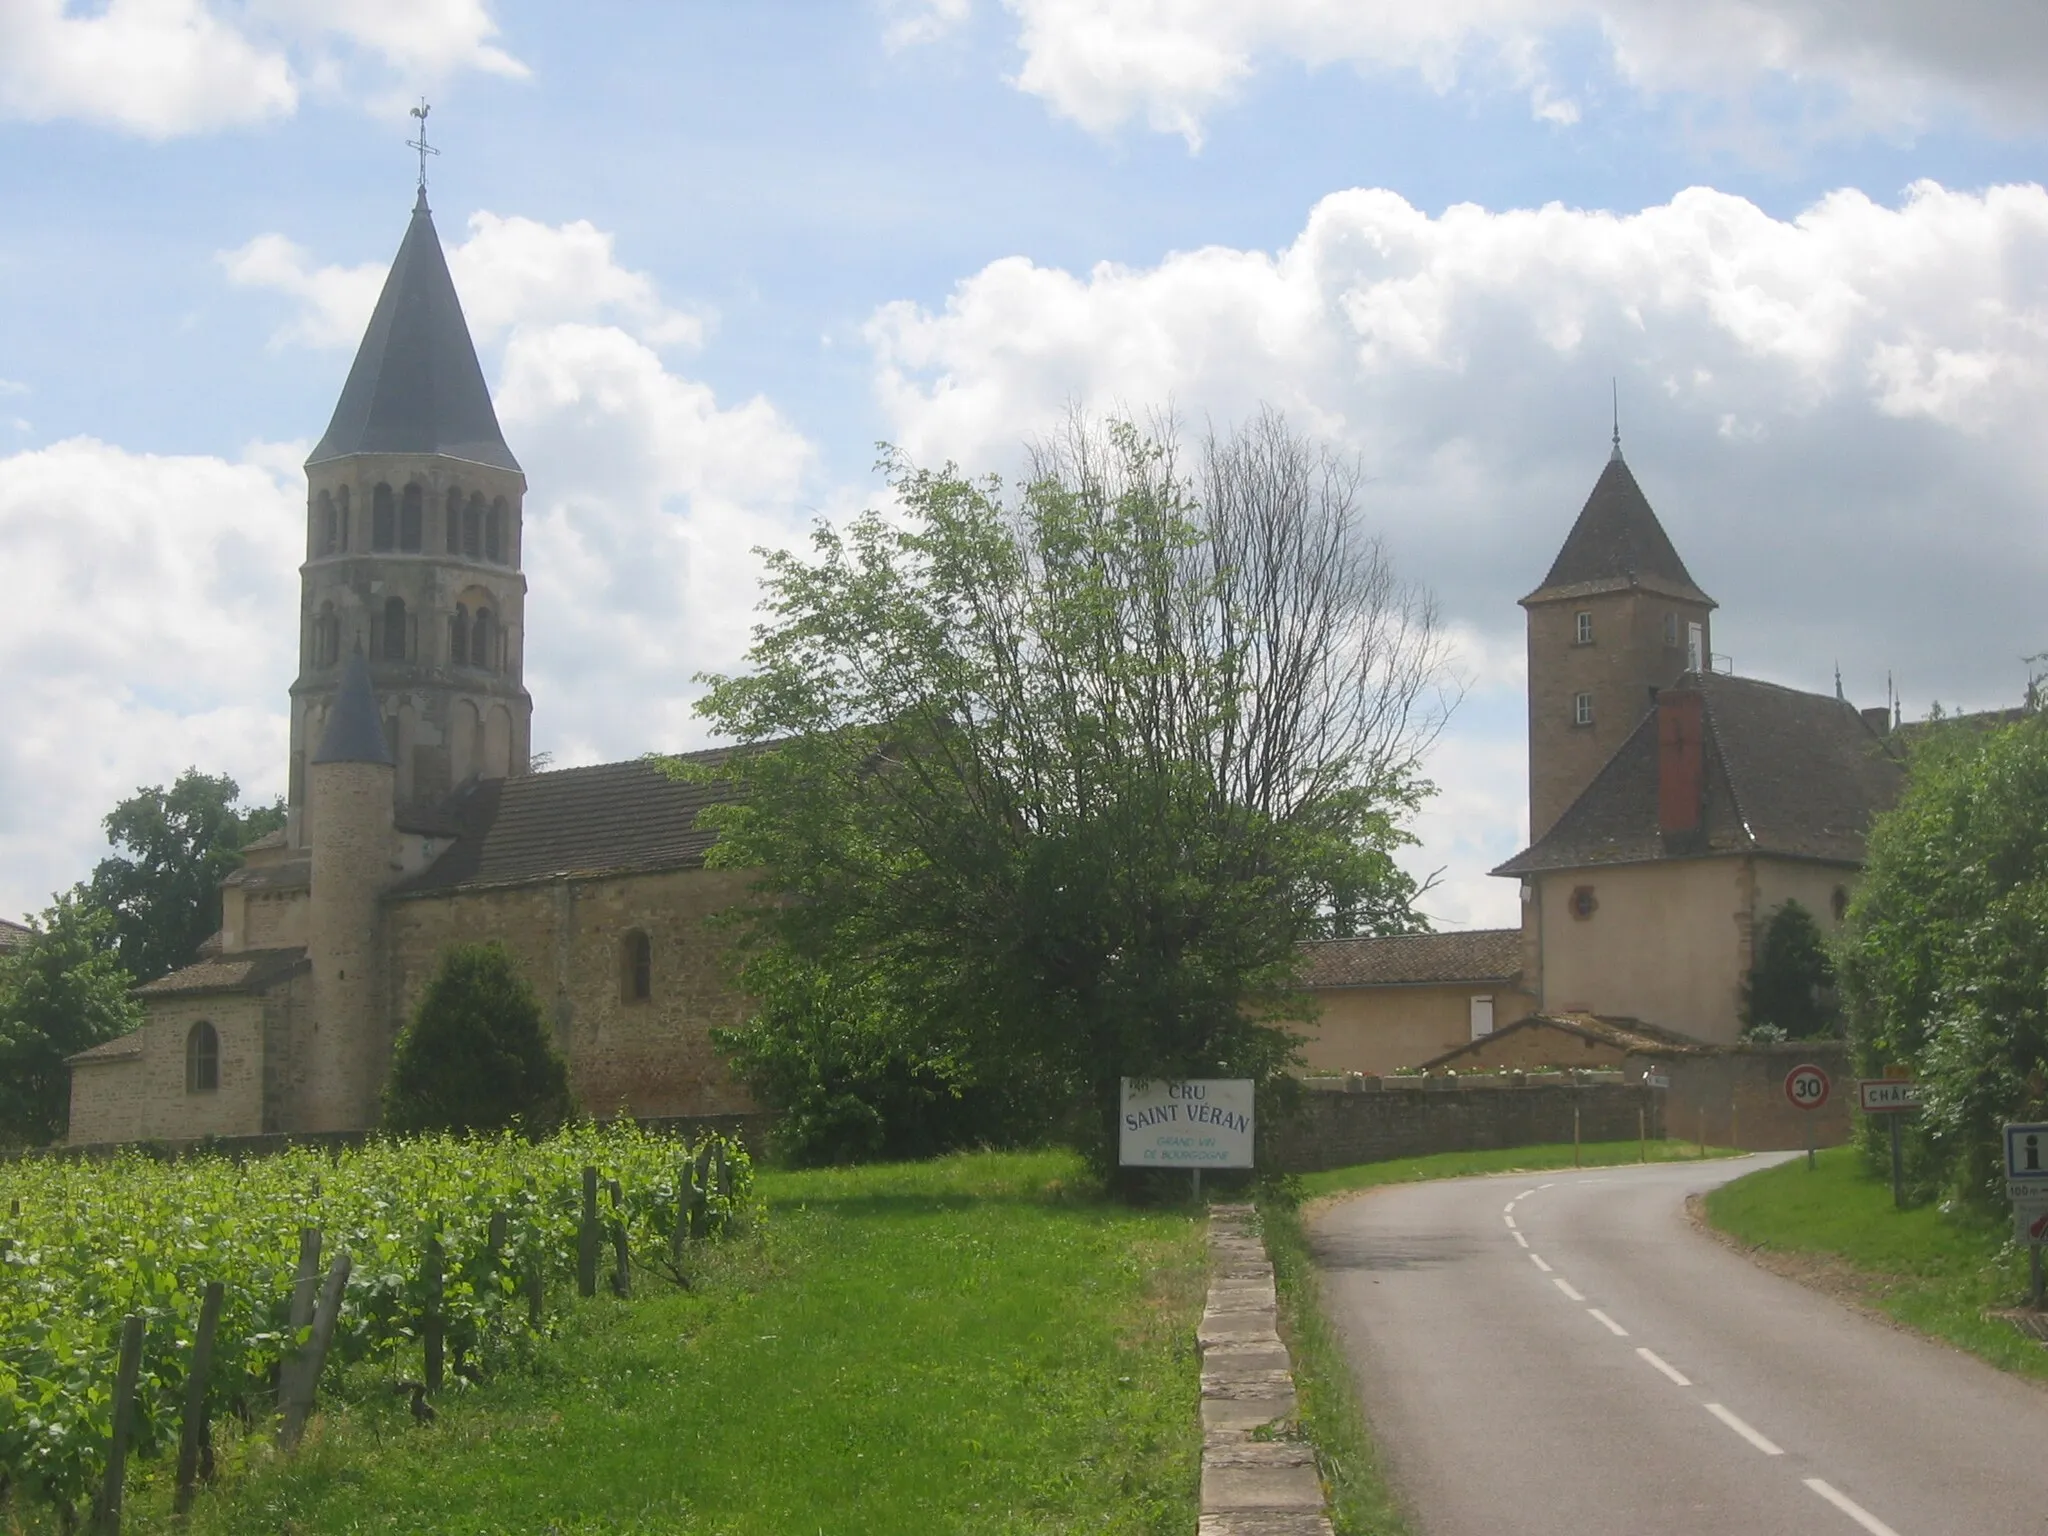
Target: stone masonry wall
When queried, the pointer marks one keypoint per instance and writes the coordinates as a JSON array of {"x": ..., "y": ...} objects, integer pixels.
[
  {"x": 140, "y": 1097},
  {"x": 642, "y": 1058},
  {"x": 1737, "y": 1098},
  {"x": 1370, "y": 1120}
]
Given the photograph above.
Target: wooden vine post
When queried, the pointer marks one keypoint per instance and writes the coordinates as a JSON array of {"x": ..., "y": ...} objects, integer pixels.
[
  {"x": 106, "y": 1514},
  {"x": 586, "y": 1238},
  {"x": 304, "y": 1292},
  {"x": 622, "y": 1274},
  {"x": 195, "y": 1447},
  {"x": 306, "y": 1379},
  {"x": 433, "y": 1328}
]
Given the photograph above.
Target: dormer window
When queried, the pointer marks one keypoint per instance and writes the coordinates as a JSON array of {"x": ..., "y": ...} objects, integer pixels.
[
  {"x": 1582, "y": 709},
  {"x": 1583, "y": 628}
]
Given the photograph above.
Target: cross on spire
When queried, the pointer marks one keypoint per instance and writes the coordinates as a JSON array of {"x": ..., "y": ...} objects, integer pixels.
[{"x": 421, "y": 143}]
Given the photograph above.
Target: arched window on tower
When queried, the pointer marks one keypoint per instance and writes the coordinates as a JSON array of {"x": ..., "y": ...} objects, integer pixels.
[
  {"x": 202, "y": 1058},
  {"x": 452, "y": 520},
  {"x": 324, "y": 536},
  {"x": 483, "y": 635},
  {"x": 394, "y": 629},
  {"x": 458, "y": 637},
  {"x": 383, "y": 518},
  {"x": 494, "y": 531},
  {"x": 411, "y": 514},
  {"x": 473, "y": 528},
  {"x": 341, "y": 507},
  {"x": 326, "y": 637}
]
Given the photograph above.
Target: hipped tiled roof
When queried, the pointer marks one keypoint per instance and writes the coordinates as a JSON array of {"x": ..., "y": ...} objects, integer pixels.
[
  {"x": 614, "y": 818},
  {"x": 1798, "y": 775},
  {"x": 1631, "y": 1035},
  {"x": 246, "y": 970},
  {"x": 1617, "y": 542},
  {"x": 1415, "y": 959}
]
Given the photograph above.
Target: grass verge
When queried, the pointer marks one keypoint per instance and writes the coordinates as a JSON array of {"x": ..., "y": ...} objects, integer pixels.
[
  {"x": 975, "y": 1344},
  {"x": 1836, "y": 1228}
]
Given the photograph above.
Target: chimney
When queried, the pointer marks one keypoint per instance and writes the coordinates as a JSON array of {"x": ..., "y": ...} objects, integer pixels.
[
  {"x": 1878, "y": 717},
  {"x": 1681, "y": 763}
]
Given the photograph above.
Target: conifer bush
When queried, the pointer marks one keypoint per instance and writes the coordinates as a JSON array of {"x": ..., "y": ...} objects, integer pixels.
[{"x": 476, "y": 1055}]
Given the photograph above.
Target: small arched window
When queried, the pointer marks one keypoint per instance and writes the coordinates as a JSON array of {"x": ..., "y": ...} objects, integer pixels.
[
  {"x": 324, "y": 535},
  {"x": 483, "y": 635},
  {"x": 494, "y": 531},
  {"x": 394, "y": 629},
  {"x": 202, "y": 1058},
  {"x": 326, "y": 637},
  {"x": 473, "y": 528},
  {"x": 452, "y": 520},
  {"x": 383, "y": 518},
  {"x": 458, "y": 637},
  {"x": 636, "y": 967},
  {"x": 341, "y": 508},
  {"x": 411, "y": 516}
]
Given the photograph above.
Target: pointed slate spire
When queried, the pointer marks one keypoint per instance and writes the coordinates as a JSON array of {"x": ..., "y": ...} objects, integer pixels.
[
  {"x": 355, "y": 733},
  {"x": 416, "y": 386},
  {"x": 1618, "y": 542}
]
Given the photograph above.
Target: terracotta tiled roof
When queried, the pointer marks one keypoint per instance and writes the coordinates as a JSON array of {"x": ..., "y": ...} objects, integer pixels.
[
  {"x": 12, "y": 935},
  {"x": 1630, "y": 1035},
  {"x": 246, "y": 970},
  {"x": 613, "y": 818},
  {"x": 1617, "y": 542},
  {"x": 121, "y": 1048},
  {"x": 1414, "y": 959},
  {"x": 1799, "y": 775},
  {"x": 289, "y": 874}
]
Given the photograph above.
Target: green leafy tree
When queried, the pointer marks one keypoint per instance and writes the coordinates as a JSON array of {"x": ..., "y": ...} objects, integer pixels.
[
  {"x": 476, "y": 1054},
  {"x": 1046, "y": 788},
  {"x": 173, "y": 848},
  {"x": 1790, "y": 992},
  {"x": 61, "y": 992},
  {"x": 1944, "y": 957}
]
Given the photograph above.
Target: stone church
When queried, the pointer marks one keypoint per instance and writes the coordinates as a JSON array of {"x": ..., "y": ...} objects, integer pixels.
[
  {"x": 414, "y": 819},
  {"x": 1673, "y": 807}
]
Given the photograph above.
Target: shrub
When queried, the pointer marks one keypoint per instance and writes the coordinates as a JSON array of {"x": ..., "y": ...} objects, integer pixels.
[{"x": 476, "y": 1054}]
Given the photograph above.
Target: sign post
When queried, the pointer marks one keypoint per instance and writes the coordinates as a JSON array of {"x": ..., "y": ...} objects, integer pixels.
[
  {"x": 2026, "y": 1185},
  {"x": 1894, "y": 1098},
  {"x": 1807, "y": 1086},
  {"x": 1185, "y": 1122}
]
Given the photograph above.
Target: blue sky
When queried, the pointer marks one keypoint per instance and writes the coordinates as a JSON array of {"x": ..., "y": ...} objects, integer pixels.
[{"x": 713, "y": 253}]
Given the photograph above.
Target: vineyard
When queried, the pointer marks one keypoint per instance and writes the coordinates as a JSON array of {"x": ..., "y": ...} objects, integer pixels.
[{"x": 437, "y": 1250}]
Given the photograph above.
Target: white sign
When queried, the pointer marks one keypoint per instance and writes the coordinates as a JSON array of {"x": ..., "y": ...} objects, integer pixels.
[
  {"x": 1887, "y": 1096},
  {"x": 1806, "y": 1086},
  {"x": 1656, "y": 1080},
  {"x": 1185, "y": 1122},
  {"x": 2026, "y": 1154},
  {"x": 2030, "y": 1216}
]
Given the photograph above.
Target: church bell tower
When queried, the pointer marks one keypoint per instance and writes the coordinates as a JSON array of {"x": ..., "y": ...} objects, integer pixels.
[{"x": 413, "y": 535}]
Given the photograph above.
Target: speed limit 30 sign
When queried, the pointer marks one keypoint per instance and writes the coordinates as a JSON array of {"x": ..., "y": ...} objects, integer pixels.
[{"x": 1807, "y": 1086}]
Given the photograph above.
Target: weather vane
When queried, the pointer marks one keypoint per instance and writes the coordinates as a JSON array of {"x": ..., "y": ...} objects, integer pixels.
[{"x": 421, "y": 143}]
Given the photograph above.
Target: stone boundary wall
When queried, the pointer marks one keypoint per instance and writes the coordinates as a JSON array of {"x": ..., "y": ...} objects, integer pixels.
[
  {"x": 1736, "y": 1098},
  {"x": 1372, "y": 1119},
  {"x": 1250, "y": 1487}
]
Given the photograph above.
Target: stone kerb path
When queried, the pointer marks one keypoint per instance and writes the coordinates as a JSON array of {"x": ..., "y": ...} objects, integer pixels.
[{"x": 1250, "y": 1486}]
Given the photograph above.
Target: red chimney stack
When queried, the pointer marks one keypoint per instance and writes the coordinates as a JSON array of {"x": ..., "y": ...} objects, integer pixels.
[{"x": 1681, "y": 760}]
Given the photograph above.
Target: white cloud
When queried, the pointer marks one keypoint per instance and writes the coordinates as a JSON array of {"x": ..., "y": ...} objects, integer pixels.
[
  {"x": 160, "y": 68},
  {"x": 1883, "y": 64},
  {"x": 1835, "y": 414},
  {"x": 510, "y": 271},
  {"x": 910, "y": 22},
  {"x": 150, "y": 626},
  {"x": 158, "y": 626}
]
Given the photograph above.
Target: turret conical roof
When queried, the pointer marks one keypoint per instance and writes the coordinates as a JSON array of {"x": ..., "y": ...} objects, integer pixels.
[
  {"x": 354, "y": 732},
  {"x": 416, "y": 386},
  {"x": 1617, "y": 542}
]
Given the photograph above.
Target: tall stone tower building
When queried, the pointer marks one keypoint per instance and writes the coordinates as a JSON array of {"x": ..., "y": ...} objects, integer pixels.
[
  {"x": 1617, "y": 618},
  {"x": 413, "y": 534}
]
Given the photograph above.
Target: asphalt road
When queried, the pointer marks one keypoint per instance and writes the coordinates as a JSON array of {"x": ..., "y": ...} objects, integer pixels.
[{"x": 1562, "y": 1353}]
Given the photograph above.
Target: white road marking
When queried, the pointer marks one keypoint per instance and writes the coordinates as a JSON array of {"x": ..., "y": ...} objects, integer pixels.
[
  {"x": 1743, "y": 1430},
  {"x": 1851, "y": 1508},
  {"x": 1510, "y": 1205},
  {"x": 1525, "y": 1194},
  {"x": 1521, "y": 1239},
  {"x": 1537, "y": 1260},
  {"x": 1611, "y": 1325},
  {"x": 1510, "y": 1221},
  {"x": 1651, "y": 1356},
  {"x": 1566, "y": 1286},
  {"x": 1551, "y": 1185}
]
